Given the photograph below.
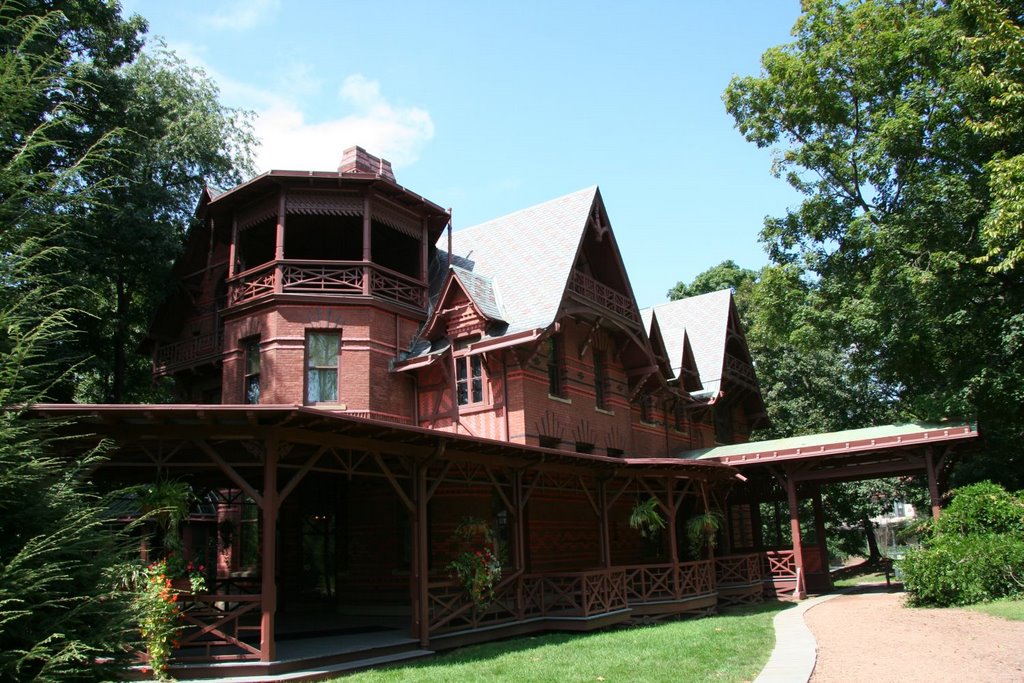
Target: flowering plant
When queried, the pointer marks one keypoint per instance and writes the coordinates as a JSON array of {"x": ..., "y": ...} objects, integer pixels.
[
  {"x": 477, "y": 567},
  {"x": 158, "y": 610},
  {"x": 478, "y": 571}
]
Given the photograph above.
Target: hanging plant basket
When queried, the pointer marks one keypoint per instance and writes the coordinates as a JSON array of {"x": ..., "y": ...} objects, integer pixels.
[
  {"x": 702, "y": 530},
  {"x": 646, "y": 518}
]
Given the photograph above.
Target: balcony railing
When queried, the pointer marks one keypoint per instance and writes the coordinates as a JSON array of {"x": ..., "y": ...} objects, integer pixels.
[
  {"x": 604, "y": 296},
  {"x": 187, "y": 353},
  {"x": 344, "y": 278},
  {"x": 740, "y": 369}
]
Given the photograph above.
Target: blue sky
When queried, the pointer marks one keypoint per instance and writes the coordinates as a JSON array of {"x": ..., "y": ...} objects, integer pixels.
[{"x": 489, "y": 107}]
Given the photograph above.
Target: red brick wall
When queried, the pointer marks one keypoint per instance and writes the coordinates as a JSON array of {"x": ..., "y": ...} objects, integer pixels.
[{"x": 370, "y": 339}]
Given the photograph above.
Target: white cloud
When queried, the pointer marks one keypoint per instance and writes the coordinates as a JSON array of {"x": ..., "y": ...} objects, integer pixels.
[
  {"x": 241, "y": 15},
  {"x": 289, "y": 141}
]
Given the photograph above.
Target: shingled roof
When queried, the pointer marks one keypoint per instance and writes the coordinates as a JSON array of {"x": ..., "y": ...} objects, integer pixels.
[
  {"x": 528, "y": 256},
  {"x": 704, "y": 320}
]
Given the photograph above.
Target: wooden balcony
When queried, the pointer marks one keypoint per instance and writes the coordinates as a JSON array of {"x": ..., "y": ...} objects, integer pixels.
[
  {"x": 332, "y": 278},
  {"x": 740, "y": 371},
  {"x": 603, "y": 296},
  {"x": 187, "y": 353}
]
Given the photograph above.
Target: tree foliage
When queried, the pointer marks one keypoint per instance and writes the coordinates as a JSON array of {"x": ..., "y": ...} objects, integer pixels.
[
  {"x": 899, "y": 121},
  {"x": 58, "y": 609}
]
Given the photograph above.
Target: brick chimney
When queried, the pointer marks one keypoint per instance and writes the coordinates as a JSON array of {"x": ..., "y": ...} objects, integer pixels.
[{"x": 358, "y": 160}]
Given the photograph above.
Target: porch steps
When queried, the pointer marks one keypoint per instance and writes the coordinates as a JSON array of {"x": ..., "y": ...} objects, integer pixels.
[{"x": 319, "y": 673}]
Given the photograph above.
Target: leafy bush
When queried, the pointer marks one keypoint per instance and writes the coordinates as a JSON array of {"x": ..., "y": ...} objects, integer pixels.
[
  {"x": 962, "y": 570},
  {"x": 983, "y": 508},
  {"x": 975, "y": 553}
]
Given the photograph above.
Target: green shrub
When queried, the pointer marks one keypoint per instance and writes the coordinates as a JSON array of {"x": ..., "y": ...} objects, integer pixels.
[
  {"x": 962, "y": 570},
  {"x": 983, "y": 508},
  {"x": 976, "y": 551}
]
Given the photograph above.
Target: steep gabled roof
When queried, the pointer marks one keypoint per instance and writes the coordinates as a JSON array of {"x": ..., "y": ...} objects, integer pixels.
[
  {"x": 703, "y": 322},
  {"x": 481, "y": 291},
  {"x": 528, "y": 256},
  {"x": 477, "y": 288}
]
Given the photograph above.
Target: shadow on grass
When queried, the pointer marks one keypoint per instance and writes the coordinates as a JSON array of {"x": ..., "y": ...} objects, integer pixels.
[{"x": 490, "y": 650}]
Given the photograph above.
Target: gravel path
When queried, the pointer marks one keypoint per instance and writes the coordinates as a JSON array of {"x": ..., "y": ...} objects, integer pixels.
[{"x": 870, "y": 636}]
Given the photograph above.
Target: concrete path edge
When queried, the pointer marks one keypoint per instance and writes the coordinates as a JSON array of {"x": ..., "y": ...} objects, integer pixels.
[{"x": 792, "y": 660}]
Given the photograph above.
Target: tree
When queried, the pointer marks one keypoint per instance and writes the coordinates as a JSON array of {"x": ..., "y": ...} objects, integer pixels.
[
  {"x": 174, "y": 138},
  {"x": 58, "y": 607},
  {"x": 882, "y": 115}
]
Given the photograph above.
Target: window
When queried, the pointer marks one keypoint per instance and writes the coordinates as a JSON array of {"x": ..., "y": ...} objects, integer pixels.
[
  {"x": 680, "y": 417},
  {"x": 600, "y": 380},
  {"x": 723, "y": 424},
  {"x": 615, "y": 452},
  {"x": 647, "y": 409},
  {"x": 556, "y": 366},
  {"x": 322, "y": 367},
  {"x": 550, "y": 442},
  {"x": 584, "y": 447},
  {"x": 251, "y": 351},
  {"x": 469, "y": 379}
]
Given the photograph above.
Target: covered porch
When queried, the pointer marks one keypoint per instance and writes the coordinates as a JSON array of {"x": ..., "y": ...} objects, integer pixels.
[
  {"x": 784, "y": 472},
  {"x": 348, "y": 522}
]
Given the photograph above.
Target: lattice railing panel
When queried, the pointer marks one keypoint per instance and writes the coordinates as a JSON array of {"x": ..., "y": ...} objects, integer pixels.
[
  {"x": 780, "y": 564},
  {"x": 327, "y": 279},
  {"x": 738, "y": 569},
  {"x": 220, "y": 626}
]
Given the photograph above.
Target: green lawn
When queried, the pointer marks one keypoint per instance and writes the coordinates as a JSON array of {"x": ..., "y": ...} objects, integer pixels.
[
  {"x": 858, "y": 579},
  {"x": 1007, "y": 608},
  {"x": 733, "y": 646}
]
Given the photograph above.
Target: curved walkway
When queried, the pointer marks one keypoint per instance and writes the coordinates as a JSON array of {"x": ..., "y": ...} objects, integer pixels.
[
  {"x": 793, "y": 658},
  {"x": 868, "y": 636}
]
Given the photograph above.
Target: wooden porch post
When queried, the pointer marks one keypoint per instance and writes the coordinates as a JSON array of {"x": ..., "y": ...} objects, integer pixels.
[
  {"x": 794, "y": 527},
  {"x": 933, "y": 483},
  {"x": 819, "y": 532},
  {"x": 268, "y": 566},
  {"x": 606, "y": 542},
  {"x": 279, "y": 245},
  {"x": 420, "y": 555},
  {"x": 673, "y": 544},
  {"x": 367, "y": 237}
]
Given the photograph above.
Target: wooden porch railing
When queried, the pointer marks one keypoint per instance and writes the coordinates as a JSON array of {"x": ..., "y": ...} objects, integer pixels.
[
  {"x": 779, "y": 565},
  {"x": 219, "y": 627},
  {"x": 566, "y": 594},
  {"x": 326, "y": 277},
  {"x": 738, "y": 570}
]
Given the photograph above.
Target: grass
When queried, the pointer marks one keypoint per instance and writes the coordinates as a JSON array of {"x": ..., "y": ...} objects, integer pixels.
[
  {"x": 1007, "y": 608},
  {"x": 858, "y": 579},
  {"x": 733, "y": 646}
]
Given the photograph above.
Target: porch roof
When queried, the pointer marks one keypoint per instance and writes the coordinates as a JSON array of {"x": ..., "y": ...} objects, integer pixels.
[
  {"x": 847, "y": 442},
  {"x": 259, "y": 421}
]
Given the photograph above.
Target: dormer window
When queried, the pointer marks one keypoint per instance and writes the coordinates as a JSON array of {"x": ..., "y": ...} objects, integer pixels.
[{"x": 322, "y": 367}]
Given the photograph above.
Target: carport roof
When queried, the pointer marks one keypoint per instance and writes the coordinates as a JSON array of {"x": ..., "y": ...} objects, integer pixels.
[{"x": 850, "y": 441}]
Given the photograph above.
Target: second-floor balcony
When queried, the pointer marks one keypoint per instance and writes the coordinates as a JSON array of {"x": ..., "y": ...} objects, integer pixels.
[
  {"x": 603, "y": 296},
  {"x": 187, "y": 353},
  {"x": 334, "y": 278}
]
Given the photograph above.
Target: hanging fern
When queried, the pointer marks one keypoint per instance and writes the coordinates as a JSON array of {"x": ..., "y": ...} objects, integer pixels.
[
  {"x": 703, "y": 529},
  {"x": 646, "y": 518}
]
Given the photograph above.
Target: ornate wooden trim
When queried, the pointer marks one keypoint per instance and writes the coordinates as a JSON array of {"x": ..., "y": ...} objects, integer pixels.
[
  {"x": 323, "y": 204},
  {"x": 256, "y": 213}
]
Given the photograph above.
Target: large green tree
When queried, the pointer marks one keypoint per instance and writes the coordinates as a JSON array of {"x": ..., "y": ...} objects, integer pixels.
[
  {"x": 894, "y": 118},
  {"x": 58, "y": 607},
  {"x": 174, "y": 137}
]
